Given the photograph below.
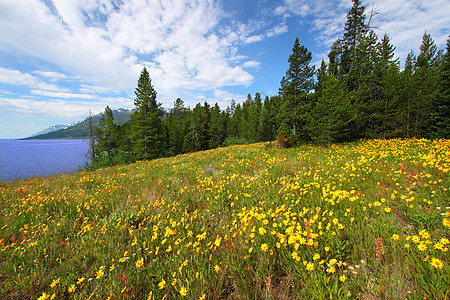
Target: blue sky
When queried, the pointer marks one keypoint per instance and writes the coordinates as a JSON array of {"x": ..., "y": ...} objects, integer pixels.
[{"x": 61, "y": 58}]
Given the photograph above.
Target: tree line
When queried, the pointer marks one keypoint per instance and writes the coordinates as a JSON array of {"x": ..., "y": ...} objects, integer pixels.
[{"x": 360, "y": 93}]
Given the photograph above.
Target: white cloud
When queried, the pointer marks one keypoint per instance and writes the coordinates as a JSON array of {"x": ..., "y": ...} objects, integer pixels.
[
  {"x": 277, "y": 30},
  {"x": 54, "y": 109},
  {"x": 252, "y": 64},
  {"x": 104, "y": 44},
  {"x": 253, "y": 38},
  {"x": 53, "y": 76},
  {"x": 15, "y": 77},
  {"x": 62, "y": 94}
]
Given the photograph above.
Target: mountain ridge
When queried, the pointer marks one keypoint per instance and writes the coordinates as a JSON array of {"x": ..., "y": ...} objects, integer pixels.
[{"x": 80, "y": 129}]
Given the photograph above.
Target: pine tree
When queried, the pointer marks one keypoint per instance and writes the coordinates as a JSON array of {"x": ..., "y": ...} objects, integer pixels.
[
  {"x": 407, "y": 92},
  {"x": 387, "y": 73},
  {"x": 107, "y": 137},
  {"x": 426, "y": 79},
  {"x": 295, "y": 91},
  {"x": 354, "y": 31},
  {"x": 175, "y": 127},
  {"x": 440, "y": 114},
  {"x": 147, "y": 127},
  {"x": 217, "y": 127},
  {"x": 330, "y": 118}
]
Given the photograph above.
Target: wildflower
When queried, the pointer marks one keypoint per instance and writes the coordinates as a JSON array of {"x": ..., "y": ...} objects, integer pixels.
[
  {"x": 80, "y": 280},
  {"x": 437, "y": 263},
  {"x": 99, "y": 274},
  {"x": 264, "y": 247},
  {"x": 174, "y": 281},
  {"x": 150, "y": 296},
  {"x": 216, "y": 268},
  {"x": 416, "y": 239},
  {"x": 422, "y": 246},
  {"x": 342, "y": 278},
  {"x": 407, "y": 246},
  {"x": 262, "y": 231},
  {"x": 44, "y": 296},
  {"x": 395, "y": 237},
  {"x": 140, "y": 263},
  {"x": 331, "y": 269},
  {"x": 112, "y": 267},
  {"x": 316, "y": 256},
  {"x": 71, "y": 288},
  {"x": 202, "y": 297},
  {"x": 55, "y": 282},
  {"x": 310, "y": 266},
  {"x": 332, "y": 261},
  {"x": 379, "y": 249},
  {"x": 183, "y": 291},
  {"x": 162, "y": 284},
  {"x": 387, "y": 209}
]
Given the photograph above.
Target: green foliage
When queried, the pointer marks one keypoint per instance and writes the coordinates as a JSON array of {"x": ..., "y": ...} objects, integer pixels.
[
  {"x": 107, "y": 140},
  {"x": 295, "y": 92},
  {"x": 234, "y": 140},
  {"x": 146, "y": 123},
  {"x": 332, "y": 113},
  {"x": 440, "y": 113}
]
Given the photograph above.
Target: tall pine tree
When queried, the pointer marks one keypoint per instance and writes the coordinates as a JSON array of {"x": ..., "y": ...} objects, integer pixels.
[
  {"x": 107, "y": 142},
  {"x": 440, "y": 113},
  {"x": 295, "y": 90},
  {"x": 146, "y": 124}
]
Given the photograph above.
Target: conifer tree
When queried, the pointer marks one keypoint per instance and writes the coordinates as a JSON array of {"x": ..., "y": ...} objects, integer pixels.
[
  {"x": 175, "y": 127},
  {"x": 426, "y": 88},
  {"x": 440, "y": 114},
  {"x": 332, "y": 113},
  {"x": 295, "y": 92},
  {"x": 147, "y": 127},
  {"x": 107, "y": 137}
]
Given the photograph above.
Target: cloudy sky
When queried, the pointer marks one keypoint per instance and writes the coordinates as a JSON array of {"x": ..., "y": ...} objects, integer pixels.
[{"x": 61, "y": 58}]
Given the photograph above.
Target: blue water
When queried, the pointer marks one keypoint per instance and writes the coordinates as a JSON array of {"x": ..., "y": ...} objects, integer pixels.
[{"x": 28, "y": 158}]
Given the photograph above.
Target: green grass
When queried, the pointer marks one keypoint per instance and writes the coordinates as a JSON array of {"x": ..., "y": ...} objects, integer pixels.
[{"x": 365, "y": 220}]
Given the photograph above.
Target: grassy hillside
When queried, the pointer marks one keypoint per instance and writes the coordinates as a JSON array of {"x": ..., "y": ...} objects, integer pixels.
[
  {"x": 366, "y": 220},
  {"x": 81, "y": 130}
]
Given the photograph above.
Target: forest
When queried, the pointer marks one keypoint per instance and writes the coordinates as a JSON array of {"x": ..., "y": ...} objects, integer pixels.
[{"x": 360, "y": 93}]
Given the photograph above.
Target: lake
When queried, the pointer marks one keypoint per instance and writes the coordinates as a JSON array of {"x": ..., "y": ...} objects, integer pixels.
[{"x": 28, "y": 158}]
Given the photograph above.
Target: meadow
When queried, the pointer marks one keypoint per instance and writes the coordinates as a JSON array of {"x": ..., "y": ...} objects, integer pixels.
[{"x": 364, "y": 220}]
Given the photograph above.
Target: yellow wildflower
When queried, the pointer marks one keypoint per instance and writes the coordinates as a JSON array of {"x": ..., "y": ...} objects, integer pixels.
[
  {"x": 162, "y": 284},
  {"x": 55, "y": 282},
  {"x": 71, "y": 288},
  {"x": 140, "y": 263},
  {"x": 183, "y": 291}
]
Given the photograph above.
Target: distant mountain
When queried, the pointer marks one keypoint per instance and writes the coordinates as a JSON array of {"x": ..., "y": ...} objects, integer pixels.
[
  {"x": 80, "y": 129},
  {"x": 50, "y": 129}
]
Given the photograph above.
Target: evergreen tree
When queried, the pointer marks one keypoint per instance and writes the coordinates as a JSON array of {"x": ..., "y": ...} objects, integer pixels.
[
  {"x": 295, "y": 91},
  {"x": 217, "y": 127},
  {"x": 235, "y": 118},
  {"x": 440, "y": 114},
  {"x": 407, "y": 92},
  {"x": 147, "y": 127},
  {"x": 175, "y": 127},
  {"x": 107, "y": 137},
  {"x": 426, "y": 89},
  {"x": 354, "y": 31},
  {"x": 387, "y": 72},
  {"x": 330, "y": 118}
]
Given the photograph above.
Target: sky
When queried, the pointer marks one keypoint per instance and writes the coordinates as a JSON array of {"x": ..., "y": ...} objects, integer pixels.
[{"x": 60, "y": 59}]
